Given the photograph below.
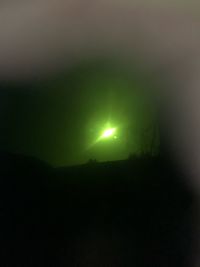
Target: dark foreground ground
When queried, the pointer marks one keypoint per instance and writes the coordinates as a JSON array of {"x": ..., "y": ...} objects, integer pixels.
[{"x": 127, "y": 213}]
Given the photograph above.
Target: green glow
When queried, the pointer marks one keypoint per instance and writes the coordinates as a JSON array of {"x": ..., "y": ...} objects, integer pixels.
[{"x": 110, "y": 132}]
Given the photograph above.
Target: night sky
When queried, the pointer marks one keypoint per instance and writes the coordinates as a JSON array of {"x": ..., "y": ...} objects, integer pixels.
[{"x": 60, "y": 119}]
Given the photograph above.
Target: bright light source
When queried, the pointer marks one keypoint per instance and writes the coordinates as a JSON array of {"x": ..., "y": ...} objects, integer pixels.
[{"x": 108, "y": 133}]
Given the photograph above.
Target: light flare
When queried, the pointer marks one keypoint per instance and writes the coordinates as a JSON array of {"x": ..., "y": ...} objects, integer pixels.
[{"x": 108, "y": 133}]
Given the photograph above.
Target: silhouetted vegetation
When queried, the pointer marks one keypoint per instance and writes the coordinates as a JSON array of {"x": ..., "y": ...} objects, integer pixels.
[{"x": 125, "y": 213}]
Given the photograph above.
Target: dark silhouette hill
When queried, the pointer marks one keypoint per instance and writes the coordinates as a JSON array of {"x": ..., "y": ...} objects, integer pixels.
[{"x": 125, "y": 213}]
